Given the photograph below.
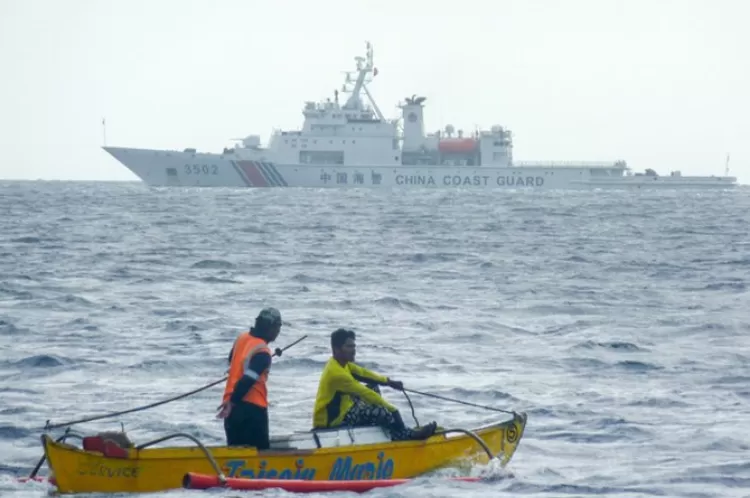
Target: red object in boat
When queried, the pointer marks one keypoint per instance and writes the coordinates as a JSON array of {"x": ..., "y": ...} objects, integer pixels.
[
  {"x": 107, "y": 448},
  {"x": 192, "y": 480},
  {"x": 460, "y": 145}
]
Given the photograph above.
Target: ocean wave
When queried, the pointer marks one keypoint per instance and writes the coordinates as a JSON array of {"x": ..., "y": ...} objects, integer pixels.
[{"x": 614, "y": 320}]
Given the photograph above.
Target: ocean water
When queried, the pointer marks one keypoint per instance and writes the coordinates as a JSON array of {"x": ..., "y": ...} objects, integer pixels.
[{"x": 619, "y": 321}]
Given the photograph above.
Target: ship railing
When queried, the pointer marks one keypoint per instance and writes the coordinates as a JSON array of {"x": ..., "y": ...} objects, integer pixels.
[{"x": 568, "y": 164}]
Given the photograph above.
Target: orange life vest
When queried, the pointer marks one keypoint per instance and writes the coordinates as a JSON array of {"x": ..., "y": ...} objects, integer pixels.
[
  {"x": 239, "y": 343},
  {"x": 244, "y": 350}
]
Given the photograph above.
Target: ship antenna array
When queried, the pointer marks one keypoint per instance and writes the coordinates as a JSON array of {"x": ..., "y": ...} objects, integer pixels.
[
  {"x": 370, "y": 68},
  {"x": 364, "y": 72}
]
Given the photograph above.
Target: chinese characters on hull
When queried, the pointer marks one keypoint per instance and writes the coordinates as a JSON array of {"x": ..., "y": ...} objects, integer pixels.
[{"x": 343, "y": 178}]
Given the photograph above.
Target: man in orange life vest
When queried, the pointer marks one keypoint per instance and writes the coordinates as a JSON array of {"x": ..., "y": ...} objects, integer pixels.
[
  {"x": 244, "y": 406},
  {"x": 343, "y": 401}
]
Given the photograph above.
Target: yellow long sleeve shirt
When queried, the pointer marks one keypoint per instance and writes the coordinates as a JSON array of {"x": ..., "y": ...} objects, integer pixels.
[{"x": 337, "y": 386}]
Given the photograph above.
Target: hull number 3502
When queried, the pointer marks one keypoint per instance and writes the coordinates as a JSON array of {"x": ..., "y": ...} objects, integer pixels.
[{"x": 201, "y": 169}]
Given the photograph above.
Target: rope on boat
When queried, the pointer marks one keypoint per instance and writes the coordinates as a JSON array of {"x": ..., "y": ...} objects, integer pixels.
[
  {"x": 413, "y": 413},
  {"x": 49, "y": 426},
  {"x": 462, "y": 402},
  {"x": 209, "y": 456}
]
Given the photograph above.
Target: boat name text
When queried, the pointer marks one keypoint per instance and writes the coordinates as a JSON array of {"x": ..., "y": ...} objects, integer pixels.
[
  {"x": 343, "y": 469},
  {"x": 380, "y": 468},
  {"x": 111, "y": 472},
  {"x": 242, "y": 468}
]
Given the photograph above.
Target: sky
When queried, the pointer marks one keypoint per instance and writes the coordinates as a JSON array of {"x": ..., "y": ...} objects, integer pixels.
[{"x": 661, "y": 84}]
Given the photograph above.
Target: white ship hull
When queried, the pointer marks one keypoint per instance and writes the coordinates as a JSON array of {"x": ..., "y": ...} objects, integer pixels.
[
  {"x": 664, "y": 182},
  {"x": 162, "y": 168},
  {"x": 348, "y": 144}
]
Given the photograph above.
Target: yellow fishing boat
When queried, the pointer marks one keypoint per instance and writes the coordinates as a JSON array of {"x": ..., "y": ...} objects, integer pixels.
[{"x": 364, "y": 453}]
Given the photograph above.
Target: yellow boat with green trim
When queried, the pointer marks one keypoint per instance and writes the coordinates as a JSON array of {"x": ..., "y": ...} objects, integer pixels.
[{"x": 331, "y": 454}]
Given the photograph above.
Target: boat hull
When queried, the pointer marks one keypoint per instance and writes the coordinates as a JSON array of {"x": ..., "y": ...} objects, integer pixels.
[
  {"x": 162, "y": 168},
  {"x": 156, "y": 469}
]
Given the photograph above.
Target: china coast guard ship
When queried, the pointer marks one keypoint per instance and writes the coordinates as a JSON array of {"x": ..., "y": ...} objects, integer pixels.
[{"x": 351, "y": 144}]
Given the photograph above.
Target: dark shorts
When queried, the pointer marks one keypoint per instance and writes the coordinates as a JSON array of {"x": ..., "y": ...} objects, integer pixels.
[
  {"x": 247, "y": 425},
  {"x": 363, "y": 414}
]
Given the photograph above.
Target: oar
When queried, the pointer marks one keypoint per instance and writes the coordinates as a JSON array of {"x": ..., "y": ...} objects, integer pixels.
[
  {"x": 461, "y": 402},
  {"x": 145, "y": 407}
]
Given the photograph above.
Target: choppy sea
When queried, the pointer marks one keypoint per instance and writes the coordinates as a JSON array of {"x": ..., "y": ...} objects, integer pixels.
[{"x": 619, "y": 321}]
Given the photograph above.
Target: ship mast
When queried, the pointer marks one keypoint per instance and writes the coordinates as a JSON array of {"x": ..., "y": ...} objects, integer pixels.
[{"x": 365, "y": 67}]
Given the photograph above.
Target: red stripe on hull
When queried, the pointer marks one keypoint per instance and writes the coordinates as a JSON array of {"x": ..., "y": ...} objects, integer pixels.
[{"x": 253, "y": 174}]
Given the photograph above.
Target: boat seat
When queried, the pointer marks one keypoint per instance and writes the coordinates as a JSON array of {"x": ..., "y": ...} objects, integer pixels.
[
  {"x": 330, "y": 437},
  {"x": 345, "y": 428},
  {"x": 327, "y": 430}
]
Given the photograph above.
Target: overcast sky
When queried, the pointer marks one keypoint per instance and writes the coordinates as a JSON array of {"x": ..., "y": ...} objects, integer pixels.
[{"x": 662, "y": 84}]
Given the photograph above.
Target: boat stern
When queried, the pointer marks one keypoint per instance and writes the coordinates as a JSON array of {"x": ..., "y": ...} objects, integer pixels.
[{"x": 79, "y": 471}]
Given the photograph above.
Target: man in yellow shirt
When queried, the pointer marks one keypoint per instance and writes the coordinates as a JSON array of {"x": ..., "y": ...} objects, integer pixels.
[{"x": 343, "y": 401}]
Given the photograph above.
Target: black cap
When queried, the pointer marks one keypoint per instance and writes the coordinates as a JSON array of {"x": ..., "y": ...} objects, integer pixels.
[{"x": 269, "y": 317}]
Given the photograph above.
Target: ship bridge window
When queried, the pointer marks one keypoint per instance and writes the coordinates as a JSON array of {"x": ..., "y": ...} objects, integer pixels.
[{"x": 321, "y": 157}]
